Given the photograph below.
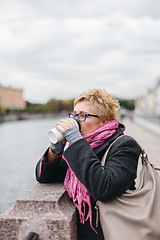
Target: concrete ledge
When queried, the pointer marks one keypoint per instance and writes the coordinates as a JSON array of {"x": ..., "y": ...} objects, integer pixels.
[{"x": 45, "y": 209}]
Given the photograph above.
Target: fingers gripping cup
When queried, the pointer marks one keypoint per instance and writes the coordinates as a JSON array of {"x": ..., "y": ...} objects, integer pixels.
[{"x": 55, "y": 136}]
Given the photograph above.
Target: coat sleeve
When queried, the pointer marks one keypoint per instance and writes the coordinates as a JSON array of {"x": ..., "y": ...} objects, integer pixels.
[
  {"x": 118, "y": 174},
  {"x": 50, "y": 172}
]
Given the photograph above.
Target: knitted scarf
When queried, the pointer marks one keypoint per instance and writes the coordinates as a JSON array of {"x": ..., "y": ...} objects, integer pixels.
[{"x": 75, "y": 189}]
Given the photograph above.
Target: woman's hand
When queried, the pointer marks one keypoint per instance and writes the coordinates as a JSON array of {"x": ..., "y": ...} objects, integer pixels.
[
  {"x": 64, "y": 124},
  {"x": 57, "y": 148},
  {"x": 70, "y": 130}
]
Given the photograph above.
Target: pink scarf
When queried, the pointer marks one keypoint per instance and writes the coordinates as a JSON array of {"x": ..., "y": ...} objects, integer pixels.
[{"x": 75, "y": 189}]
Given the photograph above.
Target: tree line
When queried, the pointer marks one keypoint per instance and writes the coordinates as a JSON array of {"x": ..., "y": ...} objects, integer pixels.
[
  {"x": 52, "y": 106},
  {"x": 56, "y": 106}
]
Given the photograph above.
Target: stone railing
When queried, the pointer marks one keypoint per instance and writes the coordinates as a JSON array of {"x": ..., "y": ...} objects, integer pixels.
[{"x": 46, "y": 210}]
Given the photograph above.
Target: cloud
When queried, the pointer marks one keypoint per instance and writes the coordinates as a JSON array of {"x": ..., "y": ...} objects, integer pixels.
[{"x": 59, "y": 48}]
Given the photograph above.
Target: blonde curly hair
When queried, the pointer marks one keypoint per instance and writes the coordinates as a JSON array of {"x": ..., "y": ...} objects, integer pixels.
[{"x": 102, "y": 102}]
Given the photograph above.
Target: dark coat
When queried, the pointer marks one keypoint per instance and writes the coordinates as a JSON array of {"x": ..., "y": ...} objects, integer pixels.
[{"x": 103, "y": 184}]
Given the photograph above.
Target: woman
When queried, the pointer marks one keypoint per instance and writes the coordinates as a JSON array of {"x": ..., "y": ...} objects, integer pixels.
[{"x": 79, "y": 162}]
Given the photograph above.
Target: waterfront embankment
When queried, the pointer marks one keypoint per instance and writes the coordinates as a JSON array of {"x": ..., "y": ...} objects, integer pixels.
[{"x": 148, "y": 136}]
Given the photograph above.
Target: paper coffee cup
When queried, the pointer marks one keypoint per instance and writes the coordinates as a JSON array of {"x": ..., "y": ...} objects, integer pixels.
[{"x": 55, "y": 136}]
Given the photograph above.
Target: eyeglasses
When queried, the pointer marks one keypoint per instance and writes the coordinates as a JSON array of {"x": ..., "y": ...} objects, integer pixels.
[{"x": 81, "y": 116}]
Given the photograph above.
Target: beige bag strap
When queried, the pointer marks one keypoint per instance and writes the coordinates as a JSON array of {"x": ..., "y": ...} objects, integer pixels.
[
  {"x": 105, "y": 155},
  {"x": 143, "y": 155},
  {"x": 144, "y": 160}
]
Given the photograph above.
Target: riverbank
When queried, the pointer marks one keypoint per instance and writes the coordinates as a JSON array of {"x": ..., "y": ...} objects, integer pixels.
[
  {"x": 26, "y": 116},
  {"x": 152, "y": 124}
]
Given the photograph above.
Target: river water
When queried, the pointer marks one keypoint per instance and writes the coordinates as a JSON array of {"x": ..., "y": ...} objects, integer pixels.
[{"x": 22, "y": 143}]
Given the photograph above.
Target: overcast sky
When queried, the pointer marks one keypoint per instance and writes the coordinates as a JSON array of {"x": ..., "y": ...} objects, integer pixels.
[{"x": 59, "y": 48}]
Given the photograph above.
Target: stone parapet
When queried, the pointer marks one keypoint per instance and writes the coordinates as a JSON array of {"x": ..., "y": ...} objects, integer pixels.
[{"x": 46, "y": 210}]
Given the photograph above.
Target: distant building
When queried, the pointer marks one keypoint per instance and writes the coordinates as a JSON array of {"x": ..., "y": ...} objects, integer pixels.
[
  {"x": 141, "y": 105},
  {"x": 149, "y": 104},
  {"x": 158, "y": 98},
  {"x": 11, "y": 98}
]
